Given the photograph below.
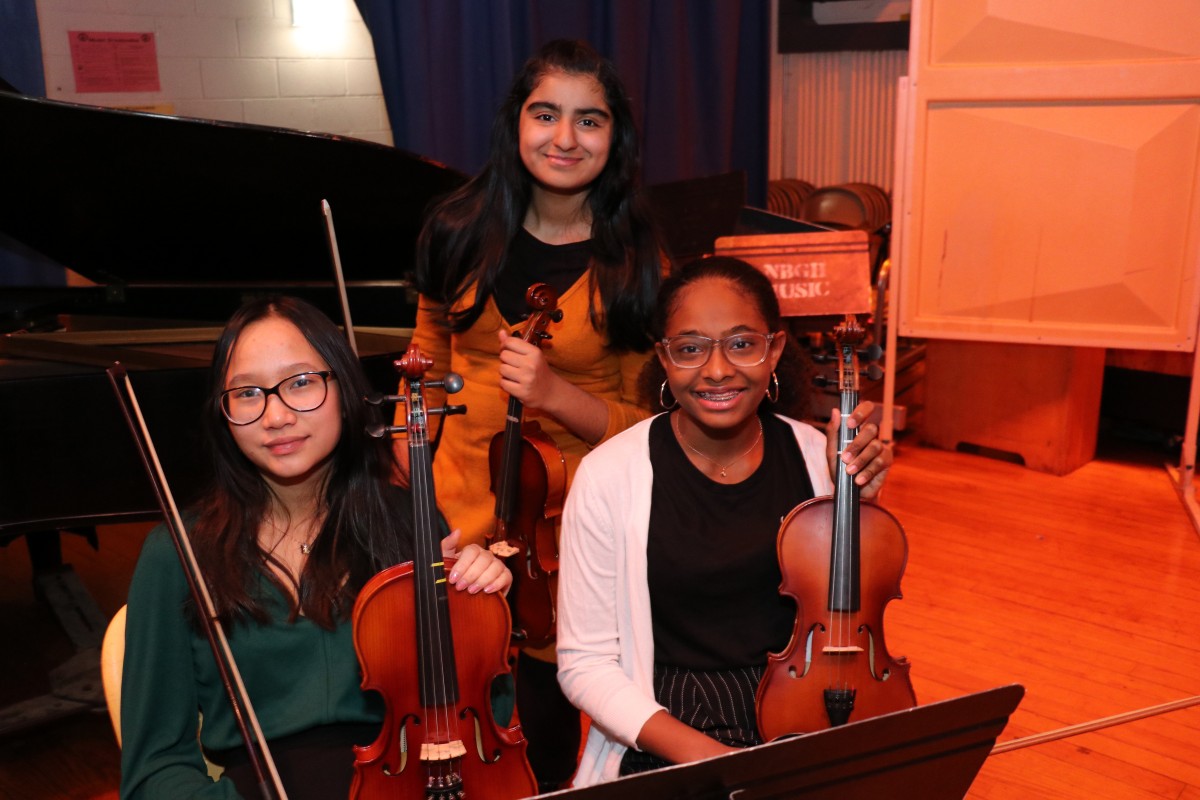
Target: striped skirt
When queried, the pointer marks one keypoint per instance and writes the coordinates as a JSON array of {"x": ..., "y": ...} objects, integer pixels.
[{"x": 717, "y": 703}]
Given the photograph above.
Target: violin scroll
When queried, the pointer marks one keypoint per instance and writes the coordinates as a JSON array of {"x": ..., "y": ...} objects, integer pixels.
[
  {"x": 542, "y": 300},
  {"x": 414, "y": 364}
]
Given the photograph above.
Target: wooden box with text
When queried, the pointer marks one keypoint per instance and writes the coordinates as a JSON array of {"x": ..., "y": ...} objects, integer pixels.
[{"x": 814, "y": 274}]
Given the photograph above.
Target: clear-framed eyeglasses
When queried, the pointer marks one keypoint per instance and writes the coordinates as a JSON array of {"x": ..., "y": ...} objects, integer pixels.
[
  {"x": 305, "y": 391},
  {"x": 740, "y": 349}
]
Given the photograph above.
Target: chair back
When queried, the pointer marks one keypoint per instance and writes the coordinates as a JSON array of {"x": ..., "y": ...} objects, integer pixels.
[{"x": 112, "y": 661}]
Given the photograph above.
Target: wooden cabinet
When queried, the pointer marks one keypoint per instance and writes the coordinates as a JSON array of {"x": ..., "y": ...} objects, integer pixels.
[{"x": 1036, "y": 402}]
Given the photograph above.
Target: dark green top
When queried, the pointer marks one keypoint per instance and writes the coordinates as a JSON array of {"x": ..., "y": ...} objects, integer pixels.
[{"x": 297, "y": 675}]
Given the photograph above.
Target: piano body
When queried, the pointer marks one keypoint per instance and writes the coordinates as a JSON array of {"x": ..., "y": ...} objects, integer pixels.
[{"x": 177, "y": 221}]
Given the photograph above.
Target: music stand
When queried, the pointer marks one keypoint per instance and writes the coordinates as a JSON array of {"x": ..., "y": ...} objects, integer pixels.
[{"x": 931, "y": 752}]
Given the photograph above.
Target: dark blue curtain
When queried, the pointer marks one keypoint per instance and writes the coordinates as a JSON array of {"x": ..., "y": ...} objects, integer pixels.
[
  {"x": 697, "y": 71},
  {"x": 21, "y": 47},
  {"x": 21, "y": 68}
]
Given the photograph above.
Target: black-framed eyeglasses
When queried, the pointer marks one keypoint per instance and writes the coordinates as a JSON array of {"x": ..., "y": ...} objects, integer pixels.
[
  {"x": 740, "y": 349},
  {"x": 304, "y": 391}
]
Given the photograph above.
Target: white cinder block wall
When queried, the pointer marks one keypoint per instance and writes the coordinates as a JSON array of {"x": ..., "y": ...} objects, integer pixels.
[{"x": 234, "y": 60}]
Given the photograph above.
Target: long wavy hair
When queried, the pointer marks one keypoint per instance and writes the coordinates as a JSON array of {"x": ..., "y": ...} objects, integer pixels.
[
  {"x": 367, "y": 522},
  {"x": 794, "y": 370},
  {"x": 466, "y": 239}
]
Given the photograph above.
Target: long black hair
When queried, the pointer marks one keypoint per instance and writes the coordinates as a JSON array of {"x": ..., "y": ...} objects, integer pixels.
[
  {"x": 794, "y": 371},
  {"x": 465, "y": 242},
  {"x": 367, "y": 522}
]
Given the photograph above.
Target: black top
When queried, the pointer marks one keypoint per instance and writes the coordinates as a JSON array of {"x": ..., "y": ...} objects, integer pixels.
[
  {"x": 530, "y": 261},
  {"x": 712, "y": 566}
]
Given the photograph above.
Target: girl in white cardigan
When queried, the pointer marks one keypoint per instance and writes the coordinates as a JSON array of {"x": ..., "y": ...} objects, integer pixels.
[{"x": 669, "y": 586}]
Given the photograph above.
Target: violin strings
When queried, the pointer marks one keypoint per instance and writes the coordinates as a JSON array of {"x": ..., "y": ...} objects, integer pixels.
[
  {"x": 840, "y": 623},
  {"x": 835, "y": 563},
  {"x": 429, "y": 553}
]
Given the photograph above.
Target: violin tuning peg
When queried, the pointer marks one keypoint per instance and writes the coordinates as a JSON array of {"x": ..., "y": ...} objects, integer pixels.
[
  {"x": 377, "y": 399},
  {"x": 872, "y": 352},
  {"x": 873, "y": 372},
  {"x": 821, "y": 380},
  {"x": 377, "y": 430},
  {"x": 452, "y": 382}
]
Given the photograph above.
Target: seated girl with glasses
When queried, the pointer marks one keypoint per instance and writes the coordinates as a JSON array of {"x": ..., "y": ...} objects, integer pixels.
[
  {"x": 300, "y": 513},
  {"x": 669, "y": 587}
]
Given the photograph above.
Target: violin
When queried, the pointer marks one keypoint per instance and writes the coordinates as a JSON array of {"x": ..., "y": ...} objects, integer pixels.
[
  {"x": 842, "y": 559},
  {"x": 436, "y": 685},
  {"x": 529, "y": 480}
]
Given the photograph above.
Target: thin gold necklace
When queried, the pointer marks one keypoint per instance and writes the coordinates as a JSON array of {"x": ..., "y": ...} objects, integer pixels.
[
  {"x": 305, "y": 547},
  {"x": 720, "y": 466}
]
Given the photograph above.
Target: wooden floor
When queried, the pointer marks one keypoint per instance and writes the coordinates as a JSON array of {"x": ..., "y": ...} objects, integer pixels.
[
  {"x": 76, "y": 758},
  {"x": 1085, "y": 589}
]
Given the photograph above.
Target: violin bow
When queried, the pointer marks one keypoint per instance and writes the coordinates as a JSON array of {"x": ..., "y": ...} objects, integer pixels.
[
  {"x": 339, "y": 277},
  {"x": 214, "y": 631},
  {"x": 1095, "y": 725}
]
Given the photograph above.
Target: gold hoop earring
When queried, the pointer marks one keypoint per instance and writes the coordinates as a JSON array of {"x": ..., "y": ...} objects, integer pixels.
[
  {"x": 774, "y": 398},
  {"x": 662, "y": 396}
]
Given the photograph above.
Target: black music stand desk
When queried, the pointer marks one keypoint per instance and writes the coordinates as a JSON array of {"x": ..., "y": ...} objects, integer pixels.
[{"x": 931, "y": 752}]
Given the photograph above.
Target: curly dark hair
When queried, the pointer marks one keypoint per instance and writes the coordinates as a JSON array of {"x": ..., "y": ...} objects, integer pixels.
[
  {"x": 466, "y": 239},
  {"x": 794, "y": 370}
]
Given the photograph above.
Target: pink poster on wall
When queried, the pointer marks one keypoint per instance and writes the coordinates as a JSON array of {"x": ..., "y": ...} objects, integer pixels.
[{"x": 107, "y": 61}]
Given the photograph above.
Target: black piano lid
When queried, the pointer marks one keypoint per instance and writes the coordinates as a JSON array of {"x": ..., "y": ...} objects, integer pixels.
[
  {"x": 176, "y": 219},
  {"x": 155, "y": 203}
]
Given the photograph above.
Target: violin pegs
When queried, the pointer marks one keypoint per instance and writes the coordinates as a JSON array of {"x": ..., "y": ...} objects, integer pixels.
[
  {"x": 871, "y": 353},
  {"x": 452, "y": 382},
  {"x": 376, "y": 399},
  {"x": 377, "y": 430},
  {"x": 873, "y": 372},
  {"x": 448, "y": 410}
]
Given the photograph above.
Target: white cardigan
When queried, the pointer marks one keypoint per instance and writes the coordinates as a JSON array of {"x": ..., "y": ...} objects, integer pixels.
[{"x": 605, "y": 636}]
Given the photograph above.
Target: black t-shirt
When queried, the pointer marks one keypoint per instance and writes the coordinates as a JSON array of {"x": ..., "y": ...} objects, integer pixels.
[
  {"x": 712, "y": 567},
  {"x": 531, "y": 261}
]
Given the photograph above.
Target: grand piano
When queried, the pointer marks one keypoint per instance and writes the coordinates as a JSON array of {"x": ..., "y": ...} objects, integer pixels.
[{"x": 176, "y": 222}]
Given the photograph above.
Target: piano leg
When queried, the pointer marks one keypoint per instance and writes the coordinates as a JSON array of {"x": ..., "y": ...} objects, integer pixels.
[{"x": 75, "y": 684}]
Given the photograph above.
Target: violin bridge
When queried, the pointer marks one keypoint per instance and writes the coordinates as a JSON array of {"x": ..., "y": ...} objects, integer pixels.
[
  {"x": 442, "y": 751},
  {"x": 849, "y": 649},
  {"x": 503, "y": 549}
]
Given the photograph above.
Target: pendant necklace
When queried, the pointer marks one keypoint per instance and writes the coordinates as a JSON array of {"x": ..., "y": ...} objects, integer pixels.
[
  {"x": 305, "y": 547},
  {"x": 723, "y": 467}
]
